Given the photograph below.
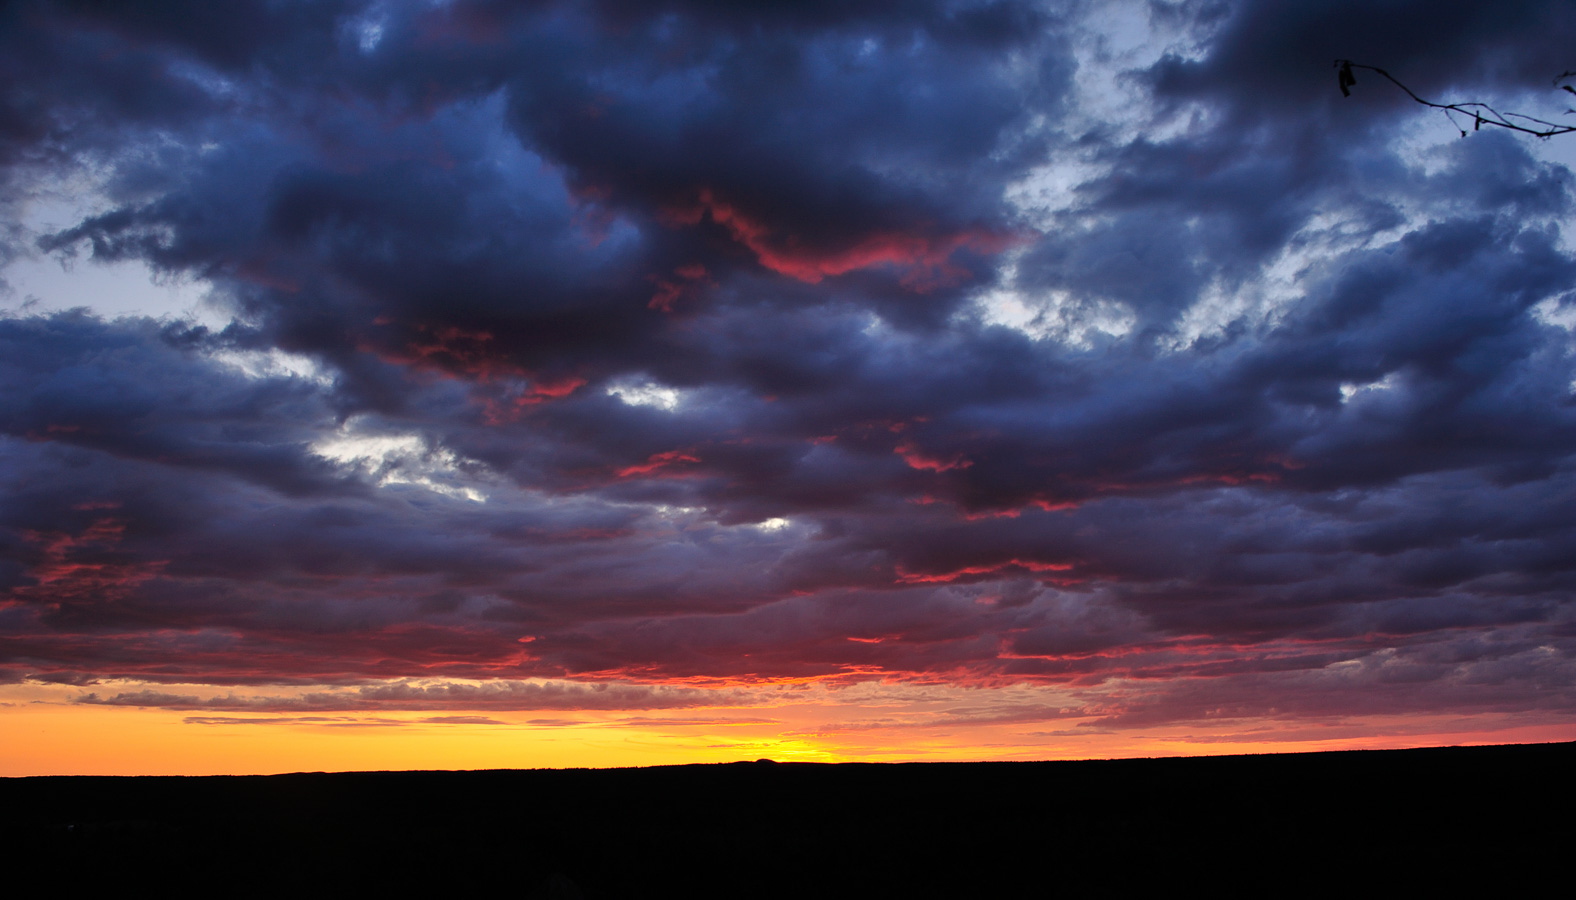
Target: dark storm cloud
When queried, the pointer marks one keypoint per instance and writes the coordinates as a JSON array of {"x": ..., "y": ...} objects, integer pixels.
[
  {"x": 1266, "y": 59},
  {"x": 660, "y": 157},
  {"x": 1300, "y": 396},
  {"x": 129, "y": 392}
]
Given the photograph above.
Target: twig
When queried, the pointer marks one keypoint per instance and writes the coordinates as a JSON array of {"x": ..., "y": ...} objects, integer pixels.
[{"x": 1481, "y": 113}]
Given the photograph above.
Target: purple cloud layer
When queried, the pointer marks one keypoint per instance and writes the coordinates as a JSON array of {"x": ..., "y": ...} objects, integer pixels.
[{"x": 648, "y": 342}]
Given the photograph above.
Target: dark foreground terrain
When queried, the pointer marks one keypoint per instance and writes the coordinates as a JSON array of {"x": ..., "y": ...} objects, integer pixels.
[{"x": 1491, "y": 818}]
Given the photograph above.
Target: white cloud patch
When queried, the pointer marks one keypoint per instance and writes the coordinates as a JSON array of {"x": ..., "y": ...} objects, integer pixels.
[
  {"x": 1053, "y": 314},
  {"x": 1263, "y": 300},
  {"x": 1350, "y": 391},
  {"x": 273, "y": 363},
  {"x": 1559, "y": 312},
  {"x": 395, "y": 458},
  {"x": 646, "y": 393}
]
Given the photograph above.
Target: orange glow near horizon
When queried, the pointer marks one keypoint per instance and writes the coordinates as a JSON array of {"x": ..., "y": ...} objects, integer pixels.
[{"x": 49, "y": 734}]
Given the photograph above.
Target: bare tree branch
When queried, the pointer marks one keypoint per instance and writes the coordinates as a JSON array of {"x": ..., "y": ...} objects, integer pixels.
[{"x": 1481, "y": 113}]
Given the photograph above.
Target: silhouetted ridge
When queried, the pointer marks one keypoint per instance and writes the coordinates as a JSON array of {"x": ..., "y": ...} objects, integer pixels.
[{"x": 1406, "y": 818}]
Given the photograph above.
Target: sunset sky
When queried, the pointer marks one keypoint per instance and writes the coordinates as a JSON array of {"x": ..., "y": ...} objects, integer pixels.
[{"x": 478, "y": 384}]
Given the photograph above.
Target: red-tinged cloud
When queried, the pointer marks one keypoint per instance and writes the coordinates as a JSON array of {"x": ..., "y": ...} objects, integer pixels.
[
  {"x": 924, "y": 260},
  {"x": 687, "y": 279},
  {"x": 918, "y": 459},
  {"x": 665, "y": 462},
  {"x": 524, "y": 394},
  {"x": 905, "y": 577},
  {"x": 474, "y": 355},
  {"x": 73, "y": 568}
]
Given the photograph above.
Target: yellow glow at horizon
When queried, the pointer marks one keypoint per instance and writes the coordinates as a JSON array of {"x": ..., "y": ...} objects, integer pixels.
[{"x": 49, "y": 737}]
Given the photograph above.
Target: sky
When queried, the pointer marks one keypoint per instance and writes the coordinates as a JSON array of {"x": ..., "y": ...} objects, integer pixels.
[{"x": 475, "y": 384}]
